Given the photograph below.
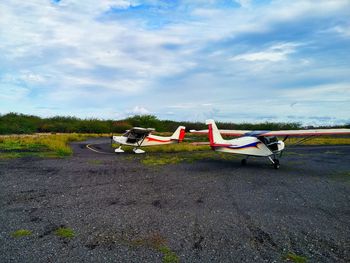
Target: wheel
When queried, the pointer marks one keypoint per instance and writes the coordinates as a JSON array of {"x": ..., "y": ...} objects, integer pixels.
[
  {"x": 276, "y": 164},
  {"x": 244, "y": 162},
  {"x": 119, "y": 150},
  {"x": 138, "y": 151}
]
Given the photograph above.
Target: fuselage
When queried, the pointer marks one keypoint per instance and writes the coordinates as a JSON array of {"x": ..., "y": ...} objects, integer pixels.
[
  {"x": 150, "y": 140},
  {"x": 248, "y": 145}
]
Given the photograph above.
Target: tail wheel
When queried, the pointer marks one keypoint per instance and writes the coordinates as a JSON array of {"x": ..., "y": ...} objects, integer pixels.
[
  {"x": 276, "y": 163},
  {"x": 244, "y": 162}
]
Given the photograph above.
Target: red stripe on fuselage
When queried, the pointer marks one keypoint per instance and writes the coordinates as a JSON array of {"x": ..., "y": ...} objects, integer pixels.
[{"x": 150, "y": 139}]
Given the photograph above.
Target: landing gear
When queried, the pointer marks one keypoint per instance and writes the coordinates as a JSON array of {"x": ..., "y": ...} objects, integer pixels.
[
  {"x": 275, "y": 162},
  {"x": 138, "y": 150},
  {"x": 119, "y": 150}
]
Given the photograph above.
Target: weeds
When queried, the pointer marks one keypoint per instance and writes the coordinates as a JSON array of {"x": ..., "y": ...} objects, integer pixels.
[
  {"x": 155, "y": 160},
  {"x": 95, "y": 162},
  {"x": 176, "y": 147},
  {"x": 44, "y": 145},
  {"x": 64, "y": 232},
  {"x": 21, "y": 233},
  {"x": 157, "y": 242},
  {"x": 168, "y": 255},
  {"x": 295, "y": 258}
]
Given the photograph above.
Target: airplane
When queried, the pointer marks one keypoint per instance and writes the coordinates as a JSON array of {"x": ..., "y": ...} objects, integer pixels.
[
  {"x": 140, "y": 137},
  {"x": 258, "y": 143}
]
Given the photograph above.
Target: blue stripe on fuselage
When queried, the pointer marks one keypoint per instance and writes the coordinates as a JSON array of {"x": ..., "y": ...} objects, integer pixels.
[
  {"x": 254, "y": 144},
  {"x": 255, "y": 133}
]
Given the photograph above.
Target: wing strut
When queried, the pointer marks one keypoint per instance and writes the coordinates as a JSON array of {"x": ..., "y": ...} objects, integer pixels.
[{"x": 303, "y": 140}]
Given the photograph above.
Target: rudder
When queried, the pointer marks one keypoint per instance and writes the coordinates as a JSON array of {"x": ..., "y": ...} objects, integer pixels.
[{"x": 179, "y": 134}]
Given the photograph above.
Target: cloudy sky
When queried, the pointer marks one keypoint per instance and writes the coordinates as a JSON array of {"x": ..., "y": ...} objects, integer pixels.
[{"x": 238, "y": 61}]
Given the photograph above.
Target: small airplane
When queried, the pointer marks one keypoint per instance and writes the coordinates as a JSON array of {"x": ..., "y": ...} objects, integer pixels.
[
  {"x": 258, "y": 143},
  {"x": 140, "y": 137}
]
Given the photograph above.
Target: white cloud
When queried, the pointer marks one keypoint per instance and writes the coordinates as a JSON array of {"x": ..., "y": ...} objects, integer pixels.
[
  {"x": 139, "y": 110},
  {"x": 77, "y": 57},
  {"x": 274, "y": 53},
  {"x": 343, "y": 30}
]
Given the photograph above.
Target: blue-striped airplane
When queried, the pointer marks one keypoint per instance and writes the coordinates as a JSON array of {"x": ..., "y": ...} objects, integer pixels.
[{"x": 258, "y": 143}]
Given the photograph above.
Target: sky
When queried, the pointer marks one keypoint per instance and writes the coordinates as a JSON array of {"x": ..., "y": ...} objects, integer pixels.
[{"x": 190, "y": 60}]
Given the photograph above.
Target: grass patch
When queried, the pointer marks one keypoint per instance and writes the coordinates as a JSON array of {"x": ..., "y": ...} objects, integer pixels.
[
  {"x": 21, "y": 233},
  {"x": 168, "y": 148},
  {"x": 40, "y": 145},
  {"x": 95, "y": 162},
  {"x": 157, "y": 242},
  {"x": 157, "y": 159},
  {"x": 64, "y": 232},
  {"x": 295, "y": 258},
  {"x": 320, "y": 140},
  {"x": 161, "y": 160},
  {"x": 168, "y": 255},
  {"x": 343, "y": 176}
]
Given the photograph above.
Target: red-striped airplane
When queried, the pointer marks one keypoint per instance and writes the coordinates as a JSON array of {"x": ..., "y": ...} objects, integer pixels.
[
  {"x": 258, "y": 143},
  {"x": 140, "y": 137}
]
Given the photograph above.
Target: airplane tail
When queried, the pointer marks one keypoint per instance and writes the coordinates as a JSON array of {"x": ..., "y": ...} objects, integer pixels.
[
  {"x": 214, "y": 134},
  {"x": 179, "y": 134}
]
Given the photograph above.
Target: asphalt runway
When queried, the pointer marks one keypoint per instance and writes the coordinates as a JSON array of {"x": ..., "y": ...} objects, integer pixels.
[{"x": 208, "y": 210}]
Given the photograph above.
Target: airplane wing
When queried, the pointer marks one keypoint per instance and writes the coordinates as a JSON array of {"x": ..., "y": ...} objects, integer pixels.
[
  {"x": 223, "y": 132},
  {"x": 289, "y": 133},
  {"x": 301, "y": 133}
]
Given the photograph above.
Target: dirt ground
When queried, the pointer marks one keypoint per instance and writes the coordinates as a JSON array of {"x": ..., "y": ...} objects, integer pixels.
[{"x": 208, "y": 210}]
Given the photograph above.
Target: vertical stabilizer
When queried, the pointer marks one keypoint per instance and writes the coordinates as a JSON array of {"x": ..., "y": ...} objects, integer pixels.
[
  {"x": 179, "y": 134},
  {"x": 214, "y": 134}
]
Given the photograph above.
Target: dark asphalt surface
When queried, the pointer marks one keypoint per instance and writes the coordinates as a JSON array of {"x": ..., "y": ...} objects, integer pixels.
[{"x": 211, "y": 210}]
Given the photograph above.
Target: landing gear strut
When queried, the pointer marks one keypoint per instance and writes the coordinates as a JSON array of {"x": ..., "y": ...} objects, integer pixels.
[{"x": 275, "y": 162}]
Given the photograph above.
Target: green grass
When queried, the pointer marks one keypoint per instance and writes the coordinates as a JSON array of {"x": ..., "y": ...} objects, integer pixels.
[
  {"x": 295, "y": 258},
  {"x": 168, "y": 255},
  {"x": 158, "y": 243},
  {"x": 158, "y": 159},
  {"x": 40, "y": 145},
  {"x": 161, "y": 160},
  {"x": 95, "y": 162},
  {"x": 320, "y": 140},
  {"x": 64, "y": 232},
  {"x": 167, "y": 148},
  {"x": 21, "y": 233}
]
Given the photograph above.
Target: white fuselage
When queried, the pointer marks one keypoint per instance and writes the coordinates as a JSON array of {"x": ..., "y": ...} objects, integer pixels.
[
  {"x": 246, "y": 145},
  {"x": 149, "y": 140}
]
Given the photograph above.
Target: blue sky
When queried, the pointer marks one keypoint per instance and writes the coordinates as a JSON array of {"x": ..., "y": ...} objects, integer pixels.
[{"x": 240, "y": 61}]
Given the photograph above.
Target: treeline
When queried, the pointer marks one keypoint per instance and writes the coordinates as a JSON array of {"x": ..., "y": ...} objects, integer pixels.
[{"x": 14, "y": 123}]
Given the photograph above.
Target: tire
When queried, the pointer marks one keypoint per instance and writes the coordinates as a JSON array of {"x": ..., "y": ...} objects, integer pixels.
[{"x": 276, "y": 164}]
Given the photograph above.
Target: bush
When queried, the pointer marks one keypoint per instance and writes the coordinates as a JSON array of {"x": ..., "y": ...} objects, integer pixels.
[{"x": 14, "y": 123}]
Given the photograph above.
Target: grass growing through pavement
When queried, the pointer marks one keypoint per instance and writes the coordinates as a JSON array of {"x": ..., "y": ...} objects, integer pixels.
[
  {"x": 157, "y": 159},
  {"x": 64, "y": 232},
  {"x": 168, "y": 255},
  {"x": 177, "y": 147},
  {"x": 295, "y": 258},
  {"x": 43, "y": 145},
  {"x": 21, "y": 233},
  {"x": 95, "y": 162},
  {"x": 157, "y": 242}
]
